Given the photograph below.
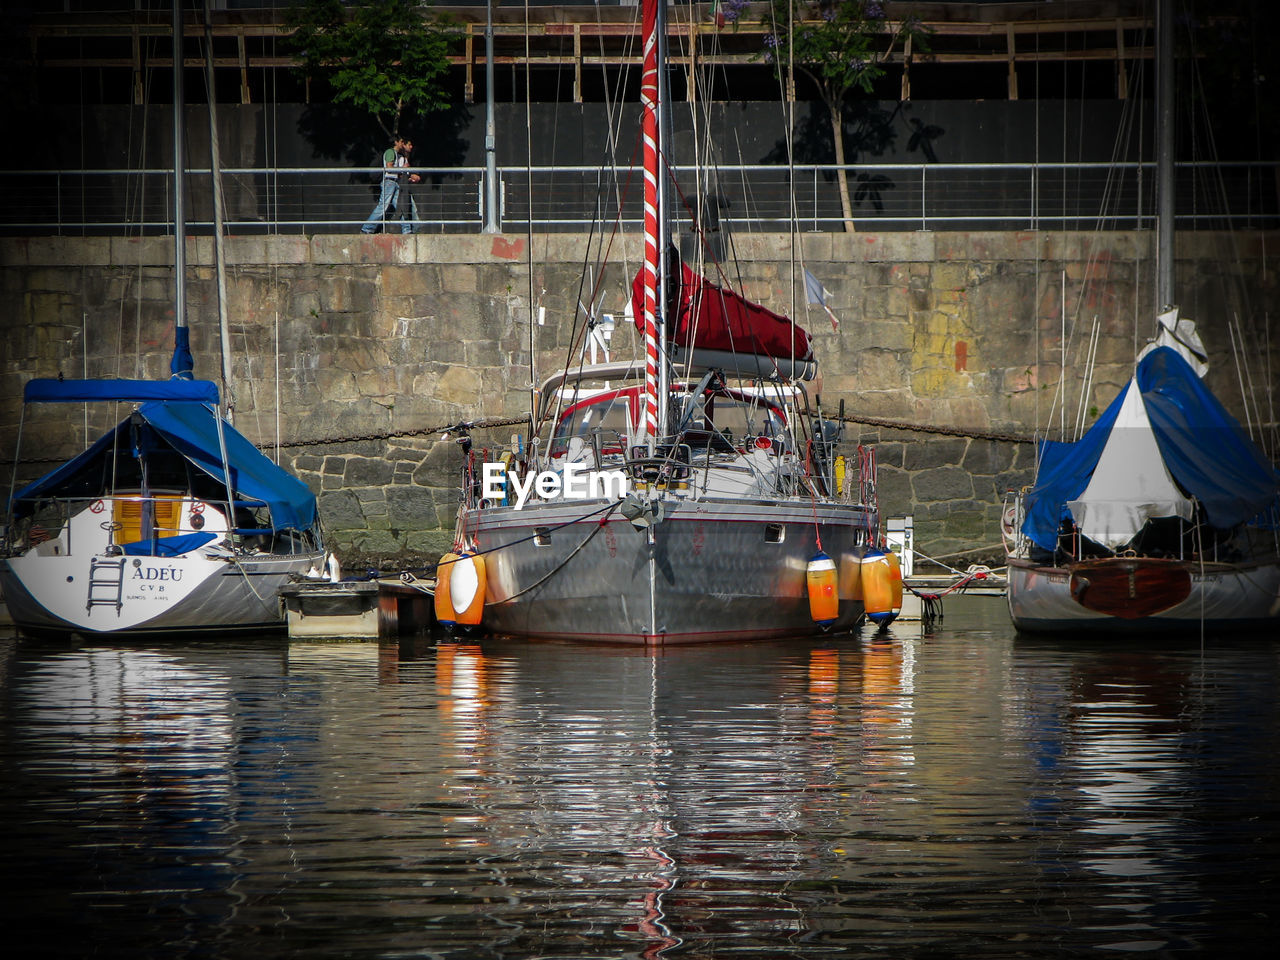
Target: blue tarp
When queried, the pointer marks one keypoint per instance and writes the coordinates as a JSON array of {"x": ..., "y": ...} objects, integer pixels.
[
  {"x": 124, "y": 391},
  {"x": 191, "y": 429},
  {"x": 167, "y": 546},
  {"x": 1207, "y": 453}
]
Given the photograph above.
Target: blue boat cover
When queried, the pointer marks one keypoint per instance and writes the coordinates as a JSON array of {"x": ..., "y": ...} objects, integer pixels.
[
  {"x": 125, "y": 391},
  {"x": 1204, "y": 448},
  {"x": 192, "y": 430},
  {"x": 167, "y": 546}
]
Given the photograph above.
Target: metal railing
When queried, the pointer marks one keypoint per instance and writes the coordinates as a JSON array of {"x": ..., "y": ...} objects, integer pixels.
[{"x": 951, "y": 196}]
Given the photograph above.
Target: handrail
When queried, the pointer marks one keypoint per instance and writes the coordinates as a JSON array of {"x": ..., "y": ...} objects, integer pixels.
[{"x": 887, "y": 196}]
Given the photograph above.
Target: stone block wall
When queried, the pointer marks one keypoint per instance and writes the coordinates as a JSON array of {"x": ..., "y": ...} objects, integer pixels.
[{"x": 350, "y": 354}]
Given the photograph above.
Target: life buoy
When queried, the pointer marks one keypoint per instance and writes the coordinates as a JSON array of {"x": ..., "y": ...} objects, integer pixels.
[
  {"x": 824, "y": 600},
  {"x": 881, "y": 587},
  {"x": 460, "y": 582}
]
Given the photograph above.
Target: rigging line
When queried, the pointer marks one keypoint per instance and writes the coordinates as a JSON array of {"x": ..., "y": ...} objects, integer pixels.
[
  {"x": 577, "y": 342},
  {"x": 1035, "y": 223},
  {"x": 1237, "y": 290},
  {"x": 607, "y": 510},
  {"x": 528, "y": 144}
]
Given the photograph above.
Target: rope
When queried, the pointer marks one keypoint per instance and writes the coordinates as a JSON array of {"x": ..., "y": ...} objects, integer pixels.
[
  {"x": 975, "y": 572},
  {"x": 461, "y": 427},
  {"x": 573, "y": 553},
  {"x": 928, "y": 428},
  {"x": 568, "y": 523}
]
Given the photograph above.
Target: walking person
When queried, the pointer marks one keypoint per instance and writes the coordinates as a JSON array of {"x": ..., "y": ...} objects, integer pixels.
[
  {"x": 390, "y": 191},
  {"x": 408, "y": 205}
]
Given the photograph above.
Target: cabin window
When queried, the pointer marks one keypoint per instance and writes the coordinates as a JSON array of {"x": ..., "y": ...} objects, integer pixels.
[
  {"x": 609, "y": 416},
  {"x": 721, "y": 420}
]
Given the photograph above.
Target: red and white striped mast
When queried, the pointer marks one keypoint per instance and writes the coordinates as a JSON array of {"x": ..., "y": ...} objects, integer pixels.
[{"x": 653, "y": 102}]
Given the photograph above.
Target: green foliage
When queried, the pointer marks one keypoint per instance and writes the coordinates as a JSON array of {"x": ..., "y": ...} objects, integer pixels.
[
  {"x": 841, "y": 44},
  {"x": 385, "y": 56}
]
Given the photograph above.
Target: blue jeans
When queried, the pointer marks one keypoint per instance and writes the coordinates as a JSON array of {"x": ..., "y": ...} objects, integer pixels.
[
  {"x": 386, "y": 201},
  {"x": 409, "y": 221}
]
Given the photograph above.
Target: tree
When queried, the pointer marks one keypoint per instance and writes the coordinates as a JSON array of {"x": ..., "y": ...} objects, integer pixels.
[
  {"x": 384, "y": 57},
  {"x": 841, "y": 45}
]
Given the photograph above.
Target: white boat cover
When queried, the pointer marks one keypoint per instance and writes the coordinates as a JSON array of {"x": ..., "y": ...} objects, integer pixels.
[
  {"x": 1179, "y": 334},
  {"x": 1131, "y": 484}
]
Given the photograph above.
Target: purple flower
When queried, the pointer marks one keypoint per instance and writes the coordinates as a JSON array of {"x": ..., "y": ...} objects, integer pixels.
[{"x": 874, "y": 10}]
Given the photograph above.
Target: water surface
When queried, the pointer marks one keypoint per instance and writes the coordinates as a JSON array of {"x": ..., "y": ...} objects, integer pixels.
[{"x": 960, "y": 791}]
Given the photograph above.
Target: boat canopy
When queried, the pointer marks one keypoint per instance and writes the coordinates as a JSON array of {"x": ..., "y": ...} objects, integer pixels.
[
  {"x": 122, "y": 391},
  {"x": 712, "y": 318},
  {"x": 1203, "y": 448},
  {"x": 192, "y": 430}
]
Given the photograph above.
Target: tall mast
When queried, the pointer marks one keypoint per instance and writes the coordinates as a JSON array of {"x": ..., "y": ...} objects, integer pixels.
[
  {"x": 181, "y": 364},
  {"x": 1164, "y": 154},
  {"x": 179, "y": 241},
  {"x": 652, "y": 18}
]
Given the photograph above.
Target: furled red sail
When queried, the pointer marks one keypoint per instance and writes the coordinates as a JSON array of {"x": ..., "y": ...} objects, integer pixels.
[{"x": 709, "y": 317}]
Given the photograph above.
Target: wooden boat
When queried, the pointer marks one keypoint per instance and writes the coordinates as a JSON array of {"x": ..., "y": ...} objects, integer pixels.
[{"x": 1164, "y": 516}]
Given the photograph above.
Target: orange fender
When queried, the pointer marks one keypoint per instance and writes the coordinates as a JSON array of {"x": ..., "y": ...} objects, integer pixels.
[
  {"x": 820, "y": 577},
  {"x": 460, "y": 582}
]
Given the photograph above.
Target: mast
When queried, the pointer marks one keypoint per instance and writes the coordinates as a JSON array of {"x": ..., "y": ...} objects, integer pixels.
[
  {"x": 651, "y": 273},
  {"x": 219, "y": 253},
  {"x": 1164, "y": 154},
  {"x": 181, "y": 337}
]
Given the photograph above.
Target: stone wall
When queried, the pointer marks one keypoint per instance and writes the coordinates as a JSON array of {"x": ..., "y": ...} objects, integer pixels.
[{"x": 350, "y": 353}]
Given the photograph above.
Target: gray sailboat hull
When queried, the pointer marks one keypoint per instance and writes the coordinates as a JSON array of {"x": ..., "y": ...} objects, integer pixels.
[{"x": 707, "y": 571}]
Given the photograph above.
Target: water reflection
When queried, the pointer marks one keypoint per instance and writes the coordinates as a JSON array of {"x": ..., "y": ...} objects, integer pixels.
[{"x": 963, "y": 790}]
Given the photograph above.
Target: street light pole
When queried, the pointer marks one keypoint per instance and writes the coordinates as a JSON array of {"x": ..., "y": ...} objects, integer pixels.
[{"x": 491, "y": 224}]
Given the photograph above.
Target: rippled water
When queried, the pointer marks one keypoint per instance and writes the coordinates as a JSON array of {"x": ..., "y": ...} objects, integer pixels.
[{"x": 964, "y": 791}]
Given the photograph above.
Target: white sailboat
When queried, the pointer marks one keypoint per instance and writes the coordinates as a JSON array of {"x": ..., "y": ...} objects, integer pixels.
[
  {"x": 692, "y": 496},
  {"x": 171, "y": 521},
  {"x": 1164, "y": 516}
]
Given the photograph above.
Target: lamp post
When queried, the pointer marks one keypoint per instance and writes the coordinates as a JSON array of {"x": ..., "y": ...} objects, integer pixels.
[{"x": 491, "y": 224}]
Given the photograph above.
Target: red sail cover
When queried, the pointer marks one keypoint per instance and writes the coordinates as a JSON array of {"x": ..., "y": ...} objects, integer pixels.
[{"x": 719, "y": 319}]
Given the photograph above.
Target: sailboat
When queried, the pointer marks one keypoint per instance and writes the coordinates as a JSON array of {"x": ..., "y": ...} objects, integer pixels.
[
  {"x": 1165, "y": 515},
  {"x": 692, "y": 495},
  {"x": 172, "y": 520}
]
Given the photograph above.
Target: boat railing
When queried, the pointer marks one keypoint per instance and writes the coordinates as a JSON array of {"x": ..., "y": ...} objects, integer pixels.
[
  {"x": 48, "y": 527},
  {"x": 564, "y": 198}
]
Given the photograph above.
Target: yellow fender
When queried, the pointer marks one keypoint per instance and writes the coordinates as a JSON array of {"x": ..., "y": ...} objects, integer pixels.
[
  {"x": 879, "y": 597},
  {"x": 824, "y": 600}
]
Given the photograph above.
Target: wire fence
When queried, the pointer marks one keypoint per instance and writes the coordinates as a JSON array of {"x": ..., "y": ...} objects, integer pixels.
[{"x": 310, "y": 200}]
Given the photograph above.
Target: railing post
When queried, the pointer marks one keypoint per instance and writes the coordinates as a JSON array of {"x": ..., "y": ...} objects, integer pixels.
[
  {"x": 1034, "y": 205},
  {"x": 924, "y": 190}
]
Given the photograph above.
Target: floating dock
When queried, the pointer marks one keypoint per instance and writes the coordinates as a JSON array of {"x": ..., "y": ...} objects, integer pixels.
[{"x": 366, "y": 609}]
